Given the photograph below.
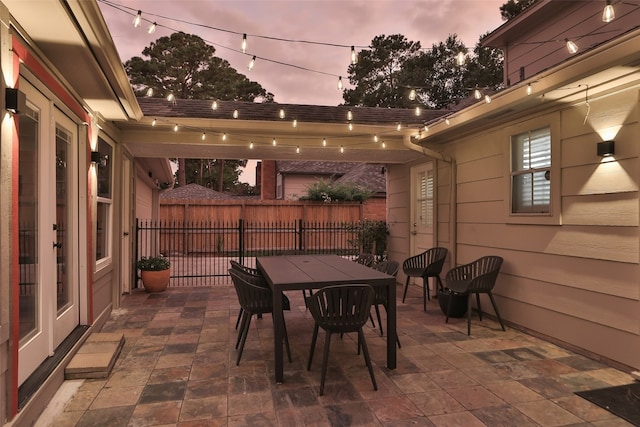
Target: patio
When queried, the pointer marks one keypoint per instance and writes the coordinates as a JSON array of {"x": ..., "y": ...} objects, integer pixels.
[{"x": 178, "y": 368}]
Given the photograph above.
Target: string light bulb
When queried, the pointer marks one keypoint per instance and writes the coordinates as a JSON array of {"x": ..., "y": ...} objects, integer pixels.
[
  {"x": 171, "y": 97},
  {"x": 350, "y": 127},
  {"x": 204, "y": 136},
  {"x": 383, "y": 145},
  {"x": 426, "y": 128},
  {"x": 224, "y": 136},
  {"x": 349, "y": 115},
  {"x": 149, "y": 92},
  {"x": 152, "y": 28},
  {"x": 175, "y": 128},
  {"x": 244, "y": 43},
  {"x": 529, "y": 89},
  {"x": 214, "y": 105},
  {"x": 477, "y": 94},
  {"x": 412, "y": 95},
  {"x": 460, "y": 59},
  {"x": 235, "y": 114},
  {"x": 298, "y": 149},
  {"x": 340, "y": 83},
  {"x": 274, "y": 142},
  {"x": 252, "y": 63},
  {"x": 447, "y": 121},
  {"x": 154, "y": 122},
  {"x": 282, "y": 113},
  {"x": 418, "y": 111},
  {"x": 138, "y": 19},
  {"x": 295, "y": 123},
  {"x": 251, "y": 145},
  {"x": 375, "y": 138},
  {"x": 608, "y": 14},
  {"x": 487, "y": 99},
  {"x": 399, "y": 127},
  {"x": 324, "y": 142},
  {"x": 341, "y": 149},
  {"x": 571, "y": 46},
  {"x": 354, "y": 56}
]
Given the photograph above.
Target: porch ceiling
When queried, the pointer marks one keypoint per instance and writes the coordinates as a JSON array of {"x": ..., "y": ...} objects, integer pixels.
[{"x": 73, "y": 36}]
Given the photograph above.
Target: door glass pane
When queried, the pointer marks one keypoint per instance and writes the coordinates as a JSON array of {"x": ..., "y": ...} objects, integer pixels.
[
  {"x": 28, "y": 223},
  {"x": 63, "y": 141}
]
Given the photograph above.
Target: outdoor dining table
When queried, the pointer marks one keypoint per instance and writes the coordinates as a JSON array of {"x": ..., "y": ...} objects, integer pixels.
[{"x": 301, "y": 272}]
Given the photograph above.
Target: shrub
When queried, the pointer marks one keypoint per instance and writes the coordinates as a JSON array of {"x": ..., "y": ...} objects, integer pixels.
[
  {"x": 153, "y": 263},
  {"x": 327, "y": 191}
]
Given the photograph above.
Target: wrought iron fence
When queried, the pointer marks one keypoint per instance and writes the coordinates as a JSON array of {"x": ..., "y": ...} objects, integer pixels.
[{"x": 200, "y": 251}]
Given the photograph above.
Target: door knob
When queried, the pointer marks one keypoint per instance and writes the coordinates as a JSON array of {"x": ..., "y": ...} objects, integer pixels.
[{"x": 57, "y": 245}]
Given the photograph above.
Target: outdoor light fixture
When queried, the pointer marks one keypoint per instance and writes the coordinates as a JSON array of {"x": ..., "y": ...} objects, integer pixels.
[
  {"x": 529, "y": 89},
  {"x": 152, "y": 28},
  {"x": 244, "y": 43},
  {"x": 608, "y": 14},
  {"x": 14, "y": 100},
  {"x": 606, "y": 148},
  {"x": 460, "y": 59},
  {"x": 95, "y": 157},
  {"x": 571, "y": 46},
  {"x": 137, "y": 20},
  {"x": 354, "y": 55},
  {"x": 412, "y": 94},
  {"x": 340, "y": 83},
  {"x": 252, "y": 62}
]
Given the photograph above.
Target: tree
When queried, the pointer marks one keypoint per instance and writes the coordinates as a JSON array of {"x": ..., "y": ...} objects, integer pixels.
[
  {"x": 512, "y": 8},
  {"x": 185, "y": 66},
  {"x": 378, "y": 76},
  {"x": 484, "y": 67}
]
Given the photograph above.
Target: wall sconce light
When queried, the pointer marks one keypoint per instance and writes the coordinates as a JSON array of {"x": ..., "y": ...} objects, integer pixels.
[
  {"x": 95, "y": 157},
  {"x": 15, "y": 101},
  {"x": 606, "y": 148}
]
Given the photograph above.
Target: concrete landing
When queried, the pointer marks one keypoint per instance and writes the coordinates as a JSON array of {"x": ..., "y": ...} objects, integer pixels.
[{"x": 96, "y": 357}]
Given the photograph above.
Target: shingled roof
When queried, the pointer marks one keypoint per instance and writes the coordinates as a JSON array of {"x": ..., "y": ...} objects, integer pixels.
[
  {"x": 366, "y": 175},
  {"x": 193, "y": 191},
  {"x": 310, "y": 167},
  {"x": 270, "y": 111}
]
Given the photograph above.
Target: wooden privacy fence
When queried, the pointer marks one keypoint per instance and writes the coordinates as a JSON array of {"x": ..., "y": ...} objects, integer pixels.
[{"x": 200, "y": 251}]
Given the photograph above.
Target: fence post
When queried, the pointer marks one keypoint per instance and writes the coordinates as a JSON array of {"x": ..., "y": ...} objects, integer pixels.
[
  {"x": 134, "y": 270},
  {"x": 241, "y": 239},
  {"x": 300, "y": 235}
]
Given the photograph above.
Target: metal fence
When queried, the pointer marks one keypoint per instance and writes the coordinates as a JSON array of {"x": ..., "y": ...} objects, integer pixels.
[{"x": 200, "y": 251}]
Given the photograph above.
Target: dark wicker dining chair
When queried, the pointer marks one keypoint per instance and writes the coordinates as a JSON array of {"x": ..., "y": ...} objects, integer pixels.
[
  {"x": 427, "y": 264},
  {"x": 255, "y": 277},
  {"x": 381, "y": 297},
  {"x": 254, "y": 299},
  {"x": 340, "y": 309},
  {"x": 477, "y": 277}
]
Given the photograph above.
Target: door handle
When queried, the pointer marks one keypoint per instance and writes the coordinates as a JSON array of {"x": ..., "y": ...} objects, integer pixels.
[
  {"x": 414, "y": 232},
  {"x": 57, "y": 245},
  {"x": 126, "y": 233}
]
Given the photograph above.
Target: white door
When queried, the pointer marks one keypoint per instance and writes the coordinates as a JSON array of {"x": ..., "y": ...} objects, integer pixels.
[
  {"x": 48, "y": 224},
  {"x": 422, "y": 211},
  {"x": 126, "y": 221}
]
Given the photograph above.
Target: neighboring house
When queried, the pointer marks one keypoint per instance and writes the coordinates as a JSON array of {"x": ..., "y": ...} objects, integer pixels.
[
  {"x": 566, "y": 222},
  {"x": 524, "y": 177}
]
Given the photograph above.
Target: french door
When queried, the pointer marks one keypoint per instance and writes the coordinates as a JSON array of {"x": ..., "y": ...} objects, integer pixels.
[
  {"x": 48, "y": 224},
  {"x": 423, "y": 209}
]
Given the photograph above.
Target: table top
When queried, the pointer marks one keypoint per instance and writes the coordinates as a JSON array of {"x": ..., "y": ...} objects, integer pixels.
[{"x": 289, "y": 272}]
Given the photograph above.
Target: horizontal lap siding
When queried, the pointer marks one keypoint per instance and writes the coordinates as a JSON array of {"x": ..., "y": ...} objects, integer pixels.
[{"x": 580, "y": 275}]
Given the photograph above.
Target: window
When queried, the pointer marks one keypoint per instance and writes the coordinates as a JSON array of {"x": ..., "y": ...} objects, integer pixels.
[
  {"x": 104, "y": 202},
  {"x": 531, "y": 172}
]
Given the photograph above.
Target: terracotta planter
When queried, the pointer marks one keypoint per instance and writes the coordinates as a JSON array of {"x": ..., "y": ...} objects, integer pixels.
[{"x": 155, "y": 281}]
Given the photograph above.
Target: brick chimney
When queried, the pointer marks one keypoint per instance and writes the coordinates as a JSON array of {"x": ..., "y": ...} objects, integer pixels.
[{"x": 268, "y": 180}]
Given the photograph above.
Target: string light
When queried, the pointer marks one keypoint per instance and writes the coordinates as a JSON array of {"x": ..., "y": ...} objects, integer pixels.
[
  {"x": 282, "y": 113},
  {"x": 477, "y": 94},
  {"x": 251, "y": 145},
  {"x": 460, "y": 59},
  {"x": 426, "y": 128},
  {"x": 487, "y": 99},
  {"x": 224, "y": 136},
  {"x": 324, "y": 142},
  {"x": 375, "y": 138},
  {"x": 529, "y": 89},
  {"x": 412, "y": 95},
  {"x": 153, "y": 123},
  {"x": 340, "y": 83},
  {"x": 175, "y": 128},
  {"x": 354, "y": 56},
  {"x": 152, "y": 28},
  {"x": 341, "y": 149},
  {"x": 138, "y": 19},
  {"x": 298, "y": 149},
  {"x": 235, "y": 114},
  {"x": 418, "y": 111},
  {"x": 399, "y": 127},
  {"x": 571, "y": 46},
  {"x": 447, "y": 121},
  {"x": 252, "y": 63},
  {"x": 383, "y": 145},
  {"x": 350, "y": 127},
  {"x": 349, "y": 115},
  {"x": 244, "y": 43},
  {"x": 608, "y": 14},
  {"x": 214, "y": 105},
  {"x": 149, "y": 92},
  {"x": 274, "y": 142},
  {"x": 295, "y": 123},
  {"x": 171, "y": 97},
  {"x": 204, "y": 136}
]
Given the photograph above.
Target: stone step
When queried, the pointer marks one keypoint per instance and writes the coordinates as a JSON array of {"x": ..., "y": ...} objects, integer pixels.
[{"x": 96, "y": 356}]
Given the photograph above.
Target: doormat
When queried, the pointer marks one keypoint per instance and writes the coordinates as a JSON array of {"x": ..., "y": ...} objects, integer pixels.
[{"x": 623, "y": 400}]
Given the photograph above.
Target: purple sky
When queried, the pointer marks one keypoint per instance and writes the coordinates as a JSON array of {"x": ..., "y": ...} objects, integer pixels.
[{"x": 347, "y": 22}]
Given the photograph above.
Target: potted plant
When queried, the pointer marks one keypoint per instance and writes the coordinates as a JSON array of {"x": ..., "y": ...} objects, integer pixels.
[{"x": 155, "y": 272}]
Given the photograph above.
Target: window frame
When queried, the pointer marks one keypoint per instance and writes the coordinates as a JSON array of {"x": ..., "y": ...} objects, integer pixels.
[
  {"x": 108, "y": 202},
  {"x": 553, "y": 216}
]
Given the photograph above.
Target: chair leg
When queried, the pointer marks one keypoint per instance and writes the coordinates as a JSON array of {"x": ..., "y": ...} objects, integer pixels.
[
  {"x": 314, "y": 337},
  {"x": 469, "y": 314},
  {"x": 379, "y": 320},
  {"x": 367, "y": 359},
  {"x": 239, "y": 317},
  {"x": 495, "y": 308},
  {"x": 373, "y": 324},
  {"x": 242, "y": 328},
  {"x": 325, "y": 359},
  {"x": 246, "y": 324},
  {"x": 406, "y": 286},
  {"x": 449, "y": 307},
  {"x": 425, "y": 293},
  {"x": 439, "y": 280}
]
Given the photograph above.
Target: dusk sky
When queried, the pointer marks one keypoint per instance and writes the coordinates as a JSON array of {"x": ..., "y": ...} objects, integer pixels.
[{"x": 347, "y": 22}]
